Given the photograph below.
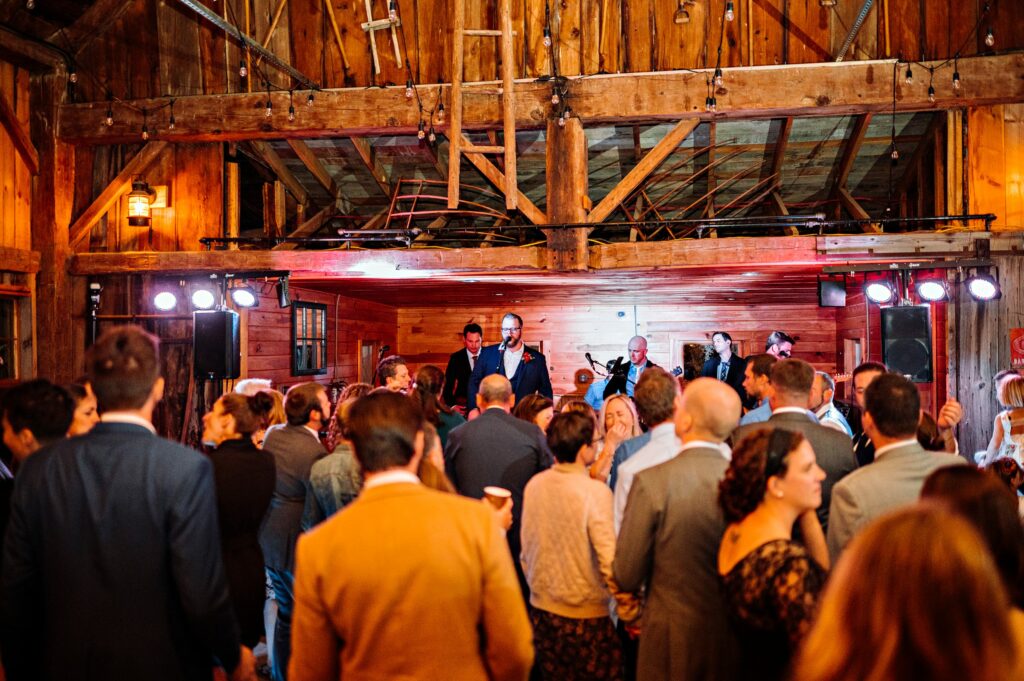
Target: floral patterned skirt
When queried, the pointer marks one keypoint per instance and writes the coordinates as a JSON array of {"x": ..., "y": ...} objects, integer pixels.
[{"x": 571, "y": 649}]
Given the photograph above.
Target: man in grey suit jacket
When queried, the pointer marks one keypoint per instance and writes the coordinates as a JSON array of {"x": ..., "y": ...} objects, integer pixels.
[
  {"x": 669, "y": 542},
  {"x": 296, "y": 447},
  {"x": 791, "y": 391},
  {"x": 895, "y": 477},
  {"x": 498, "y": 449}
]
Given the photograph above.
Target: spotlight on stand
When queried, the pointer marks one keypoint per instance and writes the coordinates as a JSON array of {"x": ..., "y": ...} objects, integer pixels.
[
  {"x": 203, "y": 299},
  {"x": 983, "y": 286},
  {"x": 932, "y": 289},
  {"x": 165, "y": 301},
  {"x": 283, "y": 297},
  {"x": 244, "y": 296},
  {"x": 880, "y": 292}
]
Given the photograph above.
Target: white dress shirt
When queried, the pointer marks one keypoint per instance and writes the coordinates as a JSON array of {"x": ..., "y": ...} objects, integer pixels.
[
  {"x": 512, "y": 359},
  {"x": 663, "y": 446}
]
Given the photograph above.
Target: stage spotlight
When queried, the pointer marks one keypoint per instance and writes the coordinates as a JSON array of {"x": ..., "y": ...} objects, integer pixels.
[
  {"x": 165, "y": 301},
  {"x": 983, "y": 287},
  {"x": 880, "y": 292},
  {"x": 203, "y": 299},
  {"x": 244, "y": 296},
  {"x": 932, "y": 290}
]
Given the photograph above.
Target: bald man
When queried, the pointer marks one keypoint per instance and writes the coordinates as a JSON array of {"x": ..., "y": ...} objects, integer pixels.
[
  {"x": 668, "y": 544},
  {"x": 498, "y": 449},
  {"x": 622, "y": 383}
]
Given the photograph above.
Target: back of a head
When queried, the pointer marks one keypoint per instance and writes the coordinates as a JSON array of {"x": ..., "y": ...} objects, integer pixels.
[
  {"x": 1011, "y": 392},
  {"x": 495, "y": 389},
  {"x": 886, "y": 612},
  {"x": 864, "y": 367},
  {"x": 430, "y": 380},
  {"x": 894, "y": 405},
  {"x": 251, "y": 386},
  {"x": 567, "y": 433},
  {"x": 122, "y": 366},
  {"x": 531, "y": 405},
  {"x": 276, "y": 414},
  {"x": 250, "y": 411},
  {"x": 655, "y": 395},
  {"x": 776, "y": 337},
  {"x": 300, "y": 402},
  {"x": 984, "y": 500},
  {"x": 761, "y": 365},
  {"x": 355, "y": 390},
  {"x": 43, "y": 408},
  {"x": 714, "y": 407},
  {"x": 383, "y": 427},
  {"x": 793, "y": 378}
]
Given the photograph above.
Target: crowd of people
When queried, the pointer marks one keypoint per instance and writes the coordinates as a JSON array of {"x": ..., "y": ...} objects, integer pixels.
[{"x": 461, "y": 524}]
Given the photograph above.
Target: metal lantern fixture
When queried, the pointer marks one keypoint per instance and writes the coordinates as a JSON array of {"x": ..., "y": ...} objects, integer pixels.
[{"x": 139, "y": 199}]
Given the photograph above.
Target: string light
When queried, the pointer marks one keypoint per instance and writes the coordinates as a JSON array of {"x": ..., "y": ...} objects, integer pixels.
[
  {"x": 110, "y": 110},
  {"x": 730, "y": 12},
  {"x": 30, "y": 4},
  {"x": 440, "y": 113},
  {"x": 145, "y": 127},
  {"x": 421, "y": 133},
  {"x": 547, "y": 37},
  {"x": 931, "y": 94},
  {"x": 269, "y": 111},
  {"x": 956, "y": 80},
  {"x": 242, "y": 71},
  {"x": 718, "y": 76},
  {"x": 409, "y": 91},
  {"x": 170, "y": 119},
  {"x": 909, "y": 77},
  {"x": 291, "y": 107},
  {"x": 990, "y": 37},
  {"x": 309, "y": 100},
  {"x": 714, "y": 104},
  {"x": 392, "y": 11},
  {"x": 72, "y": 74},
  {"x": 554, "y": 98},
  {"x": 432, "y": 137},
  {"x": 894, "y": 154}
]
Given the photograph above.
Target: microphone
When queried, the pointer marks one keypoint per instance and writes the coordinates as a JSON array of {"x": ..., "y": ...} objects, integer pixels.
[
  {"x": 383, "y": 349},
  {"x": 504, "y": 343},
  {"x": 589, "y": 358}
]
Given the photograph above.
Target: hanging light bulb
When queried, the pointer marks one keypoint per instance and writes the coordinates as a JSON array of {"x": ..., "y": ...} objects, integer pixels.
[
  {"x": 990, "y": 37},
  {"x": 909, "y": 77},
  {"x": 718, "y": 76},
  {"x": 895, "y": 154},
  {"x": 547, "y": 37},
  {"x": 931, "y": 94},
  {"x": 956, "y": 80},
  {"x": 72, "y": 74},
  {"x": 309, "y": 100},
  {"x": 707, "y": 104},
  {"x": 432, "y": 137},
  {"x": 242, "y": 71},
  {"x": 682, "y": 16},
  {"x": 440, "y": 113},
  {"x": 110, "y": 117},
  {"x": 170, "y": 122},
  {"x": 554, "y": 98},
  {"x": 730, "y": 12},
  {"x": 291, "y": 112},
  {"x": 409, "y": 92},
  {"x": 145, "y": 132},
  {"x": 30, "y": 4},
  {"x": 392, "y": 11},
  {"x": 421, "y": 133},
  {"x": 269, "y": 111}
]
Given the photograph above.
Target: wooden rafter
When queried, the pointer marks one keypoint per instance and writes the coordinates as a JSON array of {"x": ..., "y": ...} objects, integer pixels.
[
  {"x": 779, "y": 153},
  {"x": 641, "y": 170},
  {"x": 19, "y": 260},
  {"x": 318, "y": 170},
  {"x": 654, "y": 206},
  {"x": 264, "y": 151},
  {"x": 94, "y": 22},
  {"x": 913, "y": 164},
  {"x": 806, "y": 89},
  {"x": 115, "y": 190},
  {"x": 497, "y": 178},
  {"x": 19, "y": 50},
  {"x": 854, "y": 208},
  {"x": 850, "y": 151},
  {"x": 307, "y": 228},
  {"x": 19, "y": 135},
  {"x": 365, "y": 149},
  {"x": 779, "y": 207}
]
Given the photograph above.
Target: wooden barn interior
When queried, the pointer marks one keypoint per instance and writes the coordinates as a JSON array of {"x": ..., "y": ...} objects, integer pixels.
[{"x": 603, "y": 168}]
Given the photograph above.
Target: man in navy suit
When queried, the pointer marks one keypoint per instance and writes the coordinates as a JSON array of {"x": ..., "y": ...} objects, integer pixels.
[
  {"x": 724, "y": 365},
  {"x": 460, "y": 367},
  {"x": 524, "y": 367},
  {"x": 112, "y": 563}
]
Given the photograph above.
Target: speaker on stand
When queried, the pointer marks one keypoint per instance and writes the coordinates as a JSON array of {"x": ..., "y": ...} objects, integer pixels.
[
  {"x": 907, "y": 341},
  {"x": 217, "y": 352}
]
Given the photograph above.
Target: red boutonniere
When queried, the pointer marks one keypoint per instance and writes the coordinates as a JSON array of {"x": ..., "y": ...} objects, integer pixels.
[{"x": 527, "y": 358}]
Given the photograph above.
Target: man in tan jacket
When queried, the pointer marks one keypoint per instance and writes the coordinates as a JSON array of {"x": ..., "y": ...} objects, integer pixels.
[{"x": 405, "y": 582}]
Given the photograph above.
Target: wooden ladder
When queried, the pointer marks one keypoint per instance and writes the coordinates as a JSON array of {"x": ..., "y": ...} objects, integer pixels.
[{"x": 458, "y": 143}]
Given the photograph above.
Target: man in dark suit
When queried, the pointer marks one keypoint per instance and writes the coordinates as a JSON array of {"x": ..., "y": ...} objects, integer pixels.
[
  {"x": 113, "y": 563},
  {"x": 791, "y": 393},
  {"x": 724, "y": 365},
  {"x": 498, "y": 449},
  {"x": 668, "y": 544},
  {"x": 524, "y": 366},
  {"x": 296, "y": 447},
  {"x": 459, "y": 368}
]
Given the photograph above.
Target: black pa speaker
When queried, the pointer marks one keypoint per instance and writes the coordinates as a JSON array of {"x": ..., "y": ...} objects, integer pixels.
[
  {"x": 216, "y": 344},
  {"x": 907, "y": 341}
]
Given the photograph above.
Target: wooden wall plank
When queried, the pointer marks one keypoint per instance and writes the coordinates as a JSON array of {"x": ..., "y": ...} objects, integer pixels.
[
  {"x": 538, "y": 57},
  {"x": 808, "y": 32},
  {"x": 22, "y": 176},
  {"x": 178, "y": 35},
  {"x": 905, "y": 29},
  {"x": 567, "y": 33},
  {"x": 590, "y": 36},
  {"x": 986, "y": 162},
  {"x": 1013, "y": 117},
  {"x": 8, "y": 163},
  {"x": 198, "y": 194},
  {"x": 213, "y": 54},
  {"x": 350, "y": 14},
  {"x": 611, "y": 48},
  {"x": 433, "y": 40},
  {"x": 639, "y": 34}
]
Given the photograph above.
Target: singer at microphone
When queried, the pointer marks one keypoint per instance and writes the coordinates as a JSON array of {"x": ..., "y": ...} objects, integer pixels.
[{"x": 524, "y": 366}]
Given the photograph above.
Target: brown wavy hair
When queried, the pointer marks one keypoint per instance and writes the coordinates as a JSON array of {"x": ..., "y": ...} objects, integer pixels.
[{"x": 757, "y": 457}]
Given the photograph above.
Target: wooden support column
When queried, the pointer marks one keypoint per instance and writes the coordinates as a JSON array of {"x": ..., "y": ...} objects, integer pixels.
[
  {"x": 51, "y": 217},
  {"x": 567, "y": 195},
  {"x": 233, "y": 203}
]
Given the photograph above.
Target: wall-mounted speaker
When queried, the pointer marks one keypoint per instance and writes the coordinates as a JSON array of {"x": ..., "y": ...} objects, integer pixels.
[
  {"x": 907, "y": 341},
  {"x": 217, "y": 352}
]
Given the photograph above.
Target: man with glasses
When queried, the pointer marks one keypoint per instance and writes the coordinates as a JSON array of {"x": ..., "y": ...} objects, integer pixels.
[
  {"x": 525, "y": 367},
  {"x": 779, "y": 345}
]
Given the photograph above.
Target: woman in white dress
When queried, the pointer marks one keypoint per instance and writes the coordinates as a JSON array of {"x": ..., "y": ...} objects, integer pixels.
[{"x": 1008, "y": 429}]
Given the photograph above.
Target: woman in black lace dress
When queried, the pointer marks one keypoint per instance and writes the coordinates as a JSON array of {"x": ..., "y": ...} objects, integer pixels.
[{"x": 771, "y": 582}]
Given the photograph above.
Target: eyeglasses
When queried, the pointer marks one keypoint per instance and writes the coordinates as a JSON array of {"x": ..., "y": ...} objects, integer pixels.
[{"x": 511, "y": 328}]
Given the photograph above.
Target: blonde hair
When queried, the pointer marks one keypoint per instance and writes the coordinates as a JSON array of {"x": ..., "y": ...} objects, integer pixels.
[
  {"x": 629, "y": 405},
  {"x": 1011, "y": 392},
  {"x": 276, "y": 414},
  {"x": 885, "y": 614}
]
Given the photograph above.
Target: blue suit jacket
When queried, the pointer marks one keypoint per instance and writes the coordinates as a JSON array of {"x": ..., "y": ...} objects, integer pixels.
[{"x": 530, "y": 377}]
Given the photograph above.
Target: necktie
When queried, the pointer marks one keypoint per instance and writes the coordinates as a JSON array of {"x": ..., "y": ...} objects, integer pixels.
[
  {"x": 472, "y": 362},
  {"x": 723, "y": 371}
]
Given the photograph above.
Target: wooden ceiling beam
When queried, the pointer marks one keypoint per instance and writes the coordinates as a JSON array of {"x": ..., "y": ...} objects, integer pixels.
[
  {"x": 641, "y": 170},
  {"x": 857, "y": 211},
  {"x": 850, "y": 151},
  {"x": 754, "y": 92},
  {"x": 114, "y": 191},
  {"x": 19, "y": 135},
  {"x": 271, "y": 158},
  {"x": 94, "y": 22},
  {"x": 365, "y": 149},
  {"x": 779, "y": 154},
  {"x": 497, "y": 178},
  {"x": 19, "y": 260},
  {"x": 316, "y": 167},
  {"x": 30, "y": 54},
  {"x": 307, "y": 228}
]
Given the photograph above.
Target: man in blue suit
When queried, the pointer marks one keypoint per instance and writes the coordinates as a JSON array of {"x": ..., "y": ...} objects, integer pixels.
[{"x": 523, "y": 366}]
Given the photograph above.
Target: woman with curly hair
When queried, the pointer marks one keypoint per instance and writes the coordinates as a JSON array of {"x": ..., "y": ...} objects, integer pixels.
[
  {"x": 915, "y": 596},
  {"x": 771, "y": 582}
]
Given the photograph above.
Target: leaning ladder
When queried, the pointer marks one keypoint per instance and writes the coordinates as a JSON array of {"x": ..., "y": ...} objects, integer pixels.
[{"x": 459, "y": 144}]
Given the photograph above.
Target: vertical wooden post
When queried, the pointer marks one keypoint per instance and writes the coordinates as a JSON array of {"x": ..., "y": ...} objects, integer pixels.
[
  {"x": 455, "y": 124},
  {"x": 51, "y": 220},
  {"x": 567, "y": 195},
  {"x": 232, "y": 204}
]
